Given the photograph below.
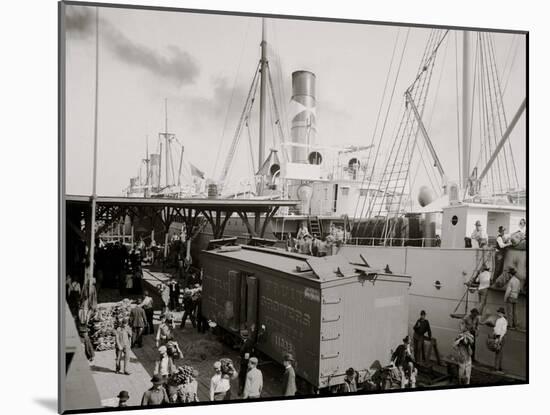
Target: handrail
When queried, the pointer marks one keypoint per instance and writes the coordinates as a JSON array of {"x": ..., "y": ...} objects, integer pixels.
[{"x": 385, "y": 241}]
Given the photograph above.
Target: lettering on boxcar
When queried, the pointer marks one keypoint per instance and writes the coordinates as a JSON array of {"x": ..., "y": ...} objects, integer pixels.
[{"x": 285, "y": 311}]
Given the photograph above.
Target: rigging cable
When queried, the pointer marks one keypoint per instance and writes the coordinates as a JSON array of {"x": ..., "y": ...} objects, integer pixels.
[
  {"x": 406, "y": 114},
  {"x": 414, "y": 125},
  {"x": 498, "y": 107},
  {"x": 511, "y": 66},
  {"x": 487, "y": 122},
  {"x": 485, "y": 67},
  {"x": 376, "y": 126},
  {"x": 231, "y": 98},
  {"x": 501, "y": 101},
  {"x": 388, "y": 108}
]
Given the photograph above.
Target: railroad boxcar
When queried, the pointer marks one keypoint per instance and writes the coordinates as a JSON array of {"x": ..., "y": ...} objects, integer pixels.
[{"x": 329, "y": 313}]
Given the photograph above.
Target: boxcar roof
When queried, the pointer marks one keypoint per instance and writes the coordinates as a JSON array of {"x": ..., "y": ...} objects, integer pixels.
[
  {"x": 270, "y": 258},
  {"x": 312, "y": 268}
]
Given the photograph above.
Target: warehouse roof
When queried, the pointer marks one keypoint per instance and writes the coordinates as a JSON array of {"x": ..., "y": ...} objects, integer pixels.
[{"x": 198, "y": 203}]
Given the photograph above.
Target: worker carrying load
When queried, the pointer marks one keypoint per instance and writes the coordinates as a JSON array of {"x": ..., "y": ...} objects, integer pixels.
[{"x": 402, "y": 359}]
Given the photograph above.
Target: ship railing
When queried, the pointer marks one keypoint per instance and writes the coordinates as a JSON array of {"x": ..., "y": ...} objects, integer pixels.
[{"x": 378, "y": 241}]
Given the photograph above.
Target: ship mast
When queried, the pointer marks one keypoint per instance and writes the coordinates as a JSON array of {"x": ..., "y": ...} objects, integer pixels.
[
  {"x": 466, "y": 108},
  {"x": 94, "y": 177},
  {"x": 166, "y": 136},
  {"x": 147, "y": 161},
  {"x": 263, "y": 86}
]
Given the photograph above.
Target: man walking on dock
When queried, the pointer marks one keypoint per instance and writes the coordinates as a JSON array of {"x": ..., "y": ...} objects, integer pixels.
[
  {"x": 499, "y": 333},
  {"x": 421, "y": 328},
  {"x": 123, "y": 341},
  {"x": 147, "y": 305},
  {"x": 511, "y": 297},
  {"x": 289, "y": 377},
  {"x": 138, "y": 322},
  {"x": 254, "y": 380}
]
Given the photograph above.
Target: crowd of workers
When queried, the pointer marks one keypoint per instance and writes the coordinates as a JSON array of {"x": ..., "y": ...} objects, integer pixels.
[
  {"x": 316, "y": 245},
  {"x": 174, "y": 381}
]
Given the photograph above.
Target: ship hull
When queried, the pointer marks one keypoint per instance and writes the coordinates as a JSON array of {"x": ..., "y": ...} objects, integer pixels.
[{"x": 452, "y": 268}]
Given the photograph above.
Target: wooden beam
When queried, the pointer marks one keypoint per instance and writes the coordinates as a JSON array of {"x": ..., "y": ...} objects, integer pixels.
[
  {"x": 244, "y": 218},
  {"x": 227, "y": 217},
  {"x": 268, "y": 218}
]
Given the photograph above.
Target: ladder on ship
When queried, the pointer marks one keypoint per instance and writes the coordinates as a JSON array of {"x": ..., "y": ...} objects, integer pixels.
[{"x": 314, "y": 225}]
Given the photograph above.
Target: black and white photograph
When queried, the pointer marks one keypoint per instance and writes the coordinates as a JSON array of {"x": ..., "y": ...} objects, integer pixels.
[{"x": 267, "y": 207}]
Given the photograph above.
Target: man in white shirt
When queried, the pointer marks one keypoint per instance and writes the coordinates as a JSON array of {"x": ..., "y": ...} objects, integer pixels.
[
  {"x": 500, "y": 250},
  {"x": 484, "y": 278},
  {"x": 219, "y": 385},
  {"x": 479, "y": 235},
  {"x": 511, "y": 296},
  {"x": 501, "y": 326},
  {"x": 254, "y": 380}
]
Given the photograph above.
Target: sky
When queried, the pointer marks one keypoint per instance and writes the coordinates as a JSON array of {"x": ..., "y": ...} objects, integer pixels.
[{"x": 203, "y": 65}]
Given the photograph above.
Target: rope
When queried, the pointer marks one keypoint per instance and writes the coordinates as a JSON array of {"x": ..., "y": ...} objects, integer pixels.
[
  {"x": 484, "y": 67},
  {"x": 385, "y": 120},
  {"x": 405, "y": 124},
  {"x": 374, "y": 200},
  {"x": 376, "y": 124},
  {"x": 245, "y": 114},
  {"x": 511, "y": 66},
  {"x": 501, "y": 102},
  {"x": 492, "y": 83},
  {"x": 231, "y": 97}
]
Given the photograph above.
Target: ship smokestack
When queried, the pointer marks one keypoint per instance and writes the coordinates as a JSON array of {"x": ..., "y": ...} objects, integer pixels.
[{"x": 304, "y": 124}]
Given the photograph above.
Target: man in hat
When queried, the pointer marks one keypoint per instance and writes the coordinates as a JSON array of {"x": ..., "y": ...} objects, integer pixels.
[
  {"x": 305, "y": 245},
  {"x": 479, "y": 235},
  {"x": 350, "y": 381},
  {"x": 147, "y": 305},
  {"x": 157, "y": 394},
  {"x": 470, "y": 324},
  {"x": 302, "y": 232},
  {"x": 123, "y": 342},
  {"x": 164, "y": 366},
  {"x": 165, "y": 330},
  {"x": 402, "y": 359},
  {"x": 138, "y": 322},
  {"x": 511, "y": 296},
  {"x": 499, "y": 333},
  {"x": 246, "y": 351},
  {"x": 219, "y": 384},
  {"x": 254, "y": 380},
  {"x": 174, "y": 289},
  {"x": 421, "y": 328},
  {"x": 463, "y": 347},
  {"x": 123, "y": 399},
  {"x": 289, "y": 377},
  {"x": 502, "y": 244}
]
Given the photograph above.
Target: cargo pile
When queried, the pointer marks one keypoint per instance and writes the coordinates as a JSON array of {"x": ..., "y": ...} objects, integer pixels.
[
  {"x": 104, "y": 322},
  {"x": 183, "y": 375},
  {"x": 227, "y": 366}
]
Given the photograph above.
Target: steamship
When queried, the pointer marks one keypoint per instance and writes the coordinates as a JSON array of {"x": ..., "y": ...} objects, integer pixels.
[{"x": 342, "y": 186}]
